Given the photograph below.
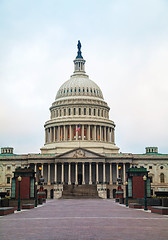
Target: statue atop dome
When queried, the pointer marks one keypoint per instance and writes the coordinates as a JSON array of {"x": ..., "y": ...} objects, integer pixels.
[{"x": 79, "y": 50}]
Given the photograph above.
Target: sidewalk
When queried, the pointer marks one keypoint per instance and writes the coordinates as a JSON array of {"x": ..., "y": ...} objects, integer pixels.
[{"x": 83, "y": 219}]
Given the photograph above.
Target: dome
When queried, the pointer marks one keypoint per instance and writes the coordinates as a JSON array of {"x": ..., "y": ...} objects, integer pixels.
[{"x": 79, "y": 85}]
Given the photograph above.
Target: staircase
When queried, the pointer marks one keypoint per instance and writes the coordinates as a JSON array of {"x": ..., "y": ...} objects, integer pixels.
[{"x": 79, "y": 191}]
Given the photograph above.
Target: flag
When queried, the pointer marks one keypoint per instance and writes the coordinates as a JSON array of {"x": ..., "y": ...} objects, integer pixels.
[{"x": 78, "y": 128}]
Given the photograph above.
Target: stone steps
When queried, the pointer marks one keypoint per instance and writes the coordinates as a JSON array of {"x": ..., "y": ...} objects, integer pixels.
[{"x": 79, "y": 191}]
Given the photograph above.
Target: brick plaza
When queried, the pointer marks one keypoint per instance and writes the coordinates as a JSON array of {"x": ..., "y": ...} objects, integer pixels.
[{"x": 83, "y": 219}]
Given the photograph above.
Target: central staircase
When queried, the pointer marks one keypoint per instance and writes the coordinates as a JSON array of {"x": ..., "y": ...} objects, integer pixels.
[{"x": 79, "y": 191}]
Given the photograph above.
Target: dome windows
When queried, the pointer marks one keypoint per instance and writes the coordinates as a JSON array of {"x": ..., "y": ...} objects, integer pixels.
[
  {"x": 79, "y": 90},
  {"x": 75, "y": 90},
  {"x": 83, "y": 90},
  {"x": 71, "y": 90}
]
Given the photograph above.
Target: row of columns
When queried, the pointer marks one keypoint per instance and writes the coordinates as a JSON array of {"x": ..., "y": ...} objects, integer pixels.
[
  {"x": 83, "y": 172},
  {"x": 79, "y": 132}
]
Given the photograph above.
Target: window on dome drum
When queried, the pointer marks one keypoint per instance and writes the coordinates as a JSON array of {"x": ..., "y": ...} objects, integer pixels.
[
  {"x": 161, "y": 167},
  {"x": 79, "y": 111},
  {"x": 162, "y": 180},
  {"x": 79, "y": 90},
  {"x": 60, "y": 112},
  {"x": 8, "y": 180},
  {"x": 64, "y": 90},
  {"x": 98, "y": 112},
  {"x": 102, "y": 113},
  {"x": 57, "y": 113},
  {"x": 75, "y": 90},
  {"x": 150, "y": 167},
  {"x": 91, "y": 90},
  {"x": 71, "y": 90},
  {"x": 94, "y": 91},
  {"x": 67, "y": 90},
  {"x": 83, "y": 90},
  {"x": 87, "y": 90},
  {"x": 84, "y": 111},
  {"x": 69, "y": 111},
  {"x": 64, "y": 112},
  {"x": 74, "y": 111},
  {"x": 94, "y": 112},
  {"x": 90, "y": 112}
]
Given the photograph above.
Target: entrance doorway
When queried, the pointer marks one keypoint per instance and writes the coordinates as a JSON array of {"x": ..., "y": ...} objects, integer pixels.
[{"x": 79, "y": 179}]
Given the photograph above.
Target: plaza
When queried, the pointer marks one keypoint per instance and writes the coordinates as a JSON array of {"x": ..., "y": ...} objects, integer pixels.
[{"x": 83, "y": 219}]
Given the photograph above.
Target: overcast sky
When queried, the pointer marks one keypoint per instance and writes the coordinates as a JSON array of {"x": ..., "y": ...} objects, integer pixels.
[{"x": 125, "y": 45}]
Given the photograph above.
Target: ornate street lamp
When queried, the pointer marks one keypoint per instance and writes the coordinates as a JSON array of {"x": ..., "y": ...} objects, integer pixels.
[
  {"x": 145, "y": 196},
  {"x": 19, "y": 180},
  {"x": 36, "y": 183},
  {"x": 126, "y": 203}
]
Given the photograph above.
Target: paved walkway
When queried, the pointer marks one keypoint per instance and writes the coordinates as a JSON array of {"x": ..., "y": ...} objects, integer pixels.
[{"x": 83, "y": 219}]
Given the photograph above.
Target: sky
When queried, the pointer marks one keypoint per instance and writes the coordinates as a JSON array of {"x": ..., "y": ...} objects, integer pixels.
[{"x": 125, "y": 45}]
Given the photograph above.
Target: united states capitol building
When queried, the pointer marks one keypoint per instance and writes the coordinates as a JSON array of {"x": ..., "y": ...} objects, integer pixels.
[{"x": 80, "y": 154}]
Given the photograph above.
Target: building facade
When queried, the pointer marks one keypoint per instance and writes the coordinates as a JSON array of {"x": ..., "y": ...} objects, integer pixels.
[{"x": 80, "y": 144}]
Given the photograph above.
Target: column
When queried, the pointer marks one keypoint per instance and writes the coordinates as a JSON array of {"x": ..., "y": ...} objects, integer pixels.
[
  {"x": 54, "y": 134},
  {"x": 111, "y": 179},
  {"x": 45, "y": 135},
  {"x": 113, "y": 135},
  {"x": 90, "y": 173},
  {"x": 117, "y": 170},
  {"x": 51, "y": 135},
  {"x": 61, "y": 128},
  {"x": 105, "y": 134},
  {"x": 70, "y": 133},
  {"x": 76, "y": 133},
  {"x": 62, "y": 175},
  {"x": 97, "y": 172},
  {"x": 64, "y": 133},
  {"x": 35, "y": 169},
  {"x": 69, "y": 174},
  {"x": 104, "y": 173},
  {"x": 59, "y": 133},
  {"x": 88, "y": 132},
  {"x": 94, "y": 138},
  {"x": 123, "y": 172},
  {"x": 108, "y": 134},
  {"x": 76, "y": 173},
  {"x": 55, "y": 173},
  {"x": 83, "y": 173},
  {"x": 100, "y": 133},
  {"x": 49, "y": 174},
  {"x": 82, "y": 132},
  {"x": 42, "y": 169}
]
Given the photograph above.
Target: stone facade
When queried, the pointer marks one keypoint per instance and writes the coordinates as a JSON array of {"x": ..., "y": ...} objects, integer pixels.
[{"x": 80, "y": 145}]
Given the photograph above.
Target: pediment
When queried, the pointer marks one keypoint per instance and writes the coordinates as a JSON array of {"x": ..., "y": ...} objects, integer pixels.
[{"x": 80, "y": 153}]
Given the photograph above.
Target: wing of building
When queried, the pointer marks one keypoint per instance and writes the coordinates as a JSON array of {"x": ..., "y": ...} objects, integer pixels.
[{"x": 80, "y": 153}]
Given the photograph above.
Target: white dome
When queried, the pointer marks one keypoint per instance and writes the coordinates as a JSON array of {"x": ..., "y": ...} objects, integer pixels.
[{"x": 79, "y": 85}]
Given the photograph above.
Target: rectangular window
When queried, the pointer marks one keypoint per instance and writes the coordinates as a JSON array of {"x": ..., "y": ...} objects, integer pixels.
[
  {"x": 150, "y": 167},
  {"x": 79, "y": 111},
  {"x": 94, "y": 112},
  {"x": 74, "y": 111},
  {"x": 69, "y": 111},
  {"x": 8, "y": 167},
  {"x": 98, "y": 112},
  {"x": 84, "y": 111},
  {"x": 102, "y": 113},
  {"x": 64, "y": 112},
  {"x": 89, "y": 111},
  {"x": 8, "y": 180}
]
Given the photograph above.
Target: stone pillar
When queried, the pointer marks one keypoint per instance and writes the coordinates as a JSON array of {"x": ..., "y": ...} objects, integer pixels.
[
  {"x": 59, "y": 139},
  {"x": 104, "y": 173},
  {"x": 62, "y": 175},
  {"x": 49, "y": 174},
  {"x": 64, "y": 133},
  {"x": 100, "y": 133},
  {"x": 76, "y": 133},
  {"x": 51, "y": 135},
  {"x": 42, "y": 169},
  {"x": 94, "y": 138},
  {"x": 83, "y": 173},
  {"x": 90, "y": 173},
  {"x": 69, "y": 174},
  {"x": 45, "y": 135},
  {"x": 97, "y": 172},
  {"x": 55, "y": 179},
  {"x": 108, "y": 134},
  {"x": 61, "y": 128},
  {"x": 76, "y": 173},
  {"x": 82, "y": 132},
  {"x": 111, "y": 178},
  {"x": 88, "y": 132},
  {"x": 70, "y": 133},
  {"x": 105, "y": 134},
  {"x": 113, "y": 135},
  {"x": 123, "y": 172},
  {"x": 117, "y": 170},
  {"x": 35, "y": 169}
]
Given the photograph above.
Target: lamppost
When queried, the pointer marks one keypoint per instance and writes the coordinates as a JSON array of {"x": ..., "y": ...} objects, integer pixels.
[
  {"x": 36, "y": 183},
  {"x": 19, "y": 180},
  {"x": 126, "y": 203},
  {"x": 145, "y": 196}
]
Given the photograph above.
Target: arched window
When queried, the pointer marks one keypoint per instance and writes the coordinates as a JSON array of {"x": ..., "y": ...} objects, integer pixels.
[
  {"x": 162, "y": 180},
  {"x": 71, "y": 90},
  {"x": 83, "y": 90},
  {"x": 79, "y": 90}
]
